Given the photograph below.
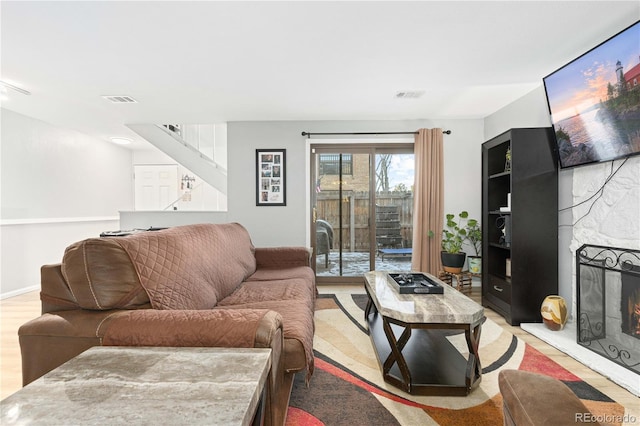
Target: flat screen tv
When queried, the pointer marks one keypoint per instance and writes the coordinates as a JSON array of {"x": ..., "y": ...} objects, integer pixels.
[{"x": 594, "y": 102}]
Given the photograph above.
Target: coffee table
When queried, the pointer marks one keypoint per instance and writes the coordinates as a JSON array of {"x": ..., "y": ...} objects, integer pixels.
[
  {"x": 409, "y": 334},
  {"x": 139, "y": 385}
]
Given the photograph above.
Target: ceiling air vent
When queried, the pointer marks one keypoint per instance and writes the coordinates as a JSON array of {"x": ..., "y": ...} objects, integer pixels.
[
  {"x": 410, "y": 94},
  {"x": 121, "y": 99}
]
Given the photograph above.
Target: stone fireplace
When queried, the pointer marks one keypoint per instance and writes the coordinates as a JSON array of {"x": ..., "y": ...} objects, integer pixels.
[
  {"x": 604, "y": 200},
  {"x": 608, "y": 303}
]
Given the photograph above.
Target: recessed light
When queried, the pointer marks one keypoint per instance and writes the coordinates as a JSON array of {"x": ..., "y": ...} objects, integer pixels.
[
  {"x": 410, "y": 94},
  {"x": 121, "y": 141},
  {"x": 7, "y": 85},
  {"x": 120, "y": 99}
]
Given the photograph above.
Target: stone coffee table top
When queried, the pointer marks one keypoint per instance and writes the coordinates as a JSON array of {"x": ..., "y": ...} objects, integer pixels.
[
  {"x": 452, "y": 307},
  {"x": 137, "y": 385}
]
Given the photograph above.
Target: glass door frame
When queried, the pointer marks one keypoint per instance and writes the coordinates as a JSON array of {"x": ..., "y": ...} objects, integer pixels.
[{"x": 371, "y": 147}]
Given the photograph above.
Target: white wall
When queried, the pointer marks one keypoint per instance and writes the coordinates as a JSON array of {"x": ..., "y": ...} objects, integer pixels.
[
  {"x": 49, "y": 172},
  {"x": 58, "y": 186},
  {"x": 27, "y": 246},
  {"x": 204, "y": 197},
  {"x": 276, "y": 225}
]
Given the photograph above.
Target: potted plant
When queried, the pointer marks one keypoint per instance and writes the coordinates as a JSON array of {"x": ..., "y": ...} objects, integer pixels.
[
  {"x": 453, "y": 235},
  {"x": 474, "y": 236}
]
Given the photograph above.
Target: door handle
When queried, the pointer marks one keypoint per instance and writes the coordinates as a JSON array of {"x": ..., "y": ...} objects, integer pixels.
[{"x": 496, "y": 288}]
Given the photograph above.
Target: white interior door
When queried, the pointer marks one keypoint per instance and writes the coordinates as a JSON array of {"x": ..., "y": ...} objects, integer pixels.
[{"x": 156, "y": 186}]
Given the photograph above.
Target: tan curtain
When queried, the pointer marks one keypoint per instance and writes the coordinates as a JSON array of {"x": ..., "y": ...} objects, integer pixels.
[{"x": 428, "y": 201}]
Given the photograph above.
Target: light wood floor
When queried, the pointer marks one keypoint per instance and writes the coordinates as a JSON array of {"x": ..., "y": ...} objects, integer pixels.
[{"x": 15, "y": 311}]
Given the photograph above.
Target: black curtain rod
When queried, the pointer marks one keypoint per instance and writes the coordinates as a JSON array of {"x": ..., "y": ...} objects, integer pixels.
[{"x": 446, "y": 132}]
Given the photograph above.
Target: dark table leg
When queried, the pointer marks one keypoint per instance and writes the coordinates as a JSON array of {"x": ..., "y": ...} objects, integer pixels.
[
  {"x": 396, "y": 353},
  {"x": 474, "y": 369}
]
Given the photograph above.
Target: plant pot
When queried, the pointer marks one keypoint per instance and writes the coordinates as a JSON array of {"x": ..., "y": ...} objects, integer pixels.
[
  {"x": 554, "y": 312},
  {"x": 453, "y": 262},
  {"x": 475, "y": 264}
]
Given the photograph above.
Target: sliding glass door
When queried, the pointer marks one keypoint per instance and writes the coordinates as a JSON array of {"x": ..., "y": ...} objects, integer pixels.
[{"x": 351, "y": 186}]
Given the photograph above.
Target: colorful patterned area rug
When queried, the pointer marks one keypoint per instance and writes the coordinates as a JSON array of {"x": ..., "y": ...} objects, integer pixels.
[{"x": 347, "y": 386}]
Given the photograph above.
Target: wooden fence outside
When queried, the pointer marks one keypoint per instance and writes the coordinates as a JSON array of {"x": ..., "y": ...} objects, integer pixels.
[{"x": 356, "y": 216}]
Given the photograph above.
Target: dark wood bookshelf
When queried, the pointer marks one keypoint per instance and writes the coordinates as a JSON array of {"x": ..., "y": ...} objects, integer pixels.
[{"x": 532, "y": 182}]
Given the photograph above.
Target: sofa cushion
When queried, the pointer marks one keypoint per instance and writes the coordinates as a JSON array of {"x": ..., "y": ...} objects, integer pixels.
[
  {"x": 191, "y": 266},
  {"x": 297, "y": 320},
  {"x": 299, "y": 289}
]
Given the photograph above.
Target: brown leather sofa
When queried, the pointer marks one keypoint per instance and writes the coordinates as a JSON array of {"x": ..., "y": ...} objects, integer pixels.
[
  {"x": 194, "y": 285},
  {"x": 531, "y": 399}
]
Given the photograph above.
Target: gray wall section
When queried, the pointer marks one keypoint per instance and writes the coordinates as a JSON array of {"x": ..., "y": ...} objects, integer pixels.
[
  {"x": 528, "y": 111},
  {"x": 531, "y": 111},
  {"x": 287, "y": 225}
]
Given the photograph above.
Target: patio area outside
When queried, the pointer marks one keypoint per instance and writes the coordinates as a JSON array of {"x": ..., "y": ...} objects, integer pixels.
[{"x": 355, "y": 264}]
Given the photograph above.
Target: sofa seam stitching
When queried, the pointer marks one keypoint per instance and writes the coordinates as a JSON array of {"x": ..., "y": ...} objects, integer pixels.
[
  {"x": 86, "y": 271},
  {"x": 100, "y": 325},
  {"x": 519, "y": 402},
  {"x": 63, "y": 271}
]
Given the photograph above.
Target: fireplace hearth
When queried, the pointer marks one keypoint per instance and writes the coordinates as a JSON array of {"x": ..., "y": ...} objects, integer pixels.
[{"x": 608, "y": 303}]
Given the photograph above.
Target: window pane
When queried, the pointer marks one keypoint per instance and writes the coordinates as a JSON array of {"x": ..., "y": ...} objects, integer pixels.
[{"x": 330, "y": 164}]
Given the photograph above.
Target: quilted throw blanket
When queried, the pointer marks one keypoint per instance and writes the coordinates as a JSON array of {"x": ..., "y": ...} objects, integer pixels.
[{"x": 191, "y": 267}]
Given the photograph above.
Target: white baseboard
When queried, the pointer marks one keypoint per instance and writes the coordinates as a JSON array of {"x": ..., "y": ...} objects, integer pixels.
[{"x": 19, "y": 292}]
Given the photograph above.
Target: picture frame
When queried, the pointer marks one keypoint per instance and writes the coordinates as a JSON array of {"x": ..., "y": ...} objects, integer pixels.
[{"x": 271, "y": 177}]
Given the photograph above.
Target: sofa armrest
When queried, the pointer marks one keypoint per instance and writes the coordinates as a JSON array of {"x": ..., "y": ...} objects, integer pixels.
[
  {"x": 54, "y": 338},
  {"x": 251, "y": 328},
  {"x": 55, "y": 293},
  {"x": 224, "y": 328},
  {"x": 282, "y": 257}
]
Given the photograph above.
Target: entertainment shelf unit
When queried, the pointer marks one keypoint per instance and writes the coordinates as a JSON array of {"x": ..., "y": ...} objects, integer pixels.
[{"x": 532, "y": 182}]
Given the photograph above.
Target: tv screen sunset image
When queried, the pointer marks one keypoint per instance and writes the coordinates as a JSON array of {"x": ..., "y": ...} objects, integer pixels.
[{"x": 594, "y": 102}]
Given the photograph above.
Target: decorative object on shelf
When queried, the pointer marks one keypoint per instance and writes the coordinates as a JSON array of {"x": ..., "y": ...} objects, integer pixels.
[
  {"x": 554, "y": 312},
  {"x": 504, "y": 224},
  {"x": 271, "y": 177},
  {"x": 507, "y": 208},
  {"x": 507, "y": 161},
  {"x": 507, "y": 268}
]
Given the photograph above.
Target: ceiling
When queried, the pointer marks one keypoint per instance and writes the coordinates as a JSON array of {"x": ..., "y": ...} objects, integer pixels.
[{"x": 208, "y": 62}]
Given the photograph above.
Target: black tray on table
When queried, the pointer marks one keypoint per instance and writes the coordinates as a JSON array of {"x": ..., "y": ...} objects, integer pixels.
[{"x": 415, "y": 284}]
